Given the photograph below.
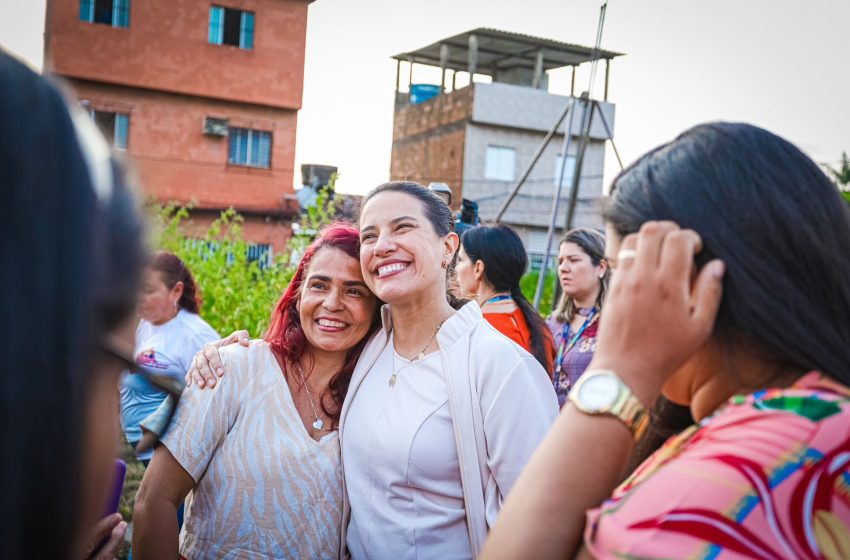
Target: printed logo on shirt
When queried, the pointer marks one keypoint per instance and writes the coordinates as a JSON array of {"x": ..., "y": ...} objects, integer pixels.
[{"x": 148, "y": 358}]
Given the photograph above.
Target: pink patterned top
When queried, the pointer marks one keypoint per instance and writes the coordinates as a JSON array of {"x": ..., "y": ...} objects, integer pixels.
[{"x": 767, "y": 476}]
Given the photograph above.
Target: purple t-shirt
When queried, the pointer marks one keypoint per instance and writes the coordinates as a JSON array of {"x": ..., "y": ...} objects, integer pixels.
[{"x": 575, "y": 359}]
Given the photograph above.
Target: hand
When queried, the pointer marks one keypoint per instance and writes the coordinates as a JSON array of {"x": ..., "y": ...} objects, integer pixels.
[
  {"x": 111, "y": 527},
  {"x": 657, "y": 312},
  {"x": 208, "y": 361}
]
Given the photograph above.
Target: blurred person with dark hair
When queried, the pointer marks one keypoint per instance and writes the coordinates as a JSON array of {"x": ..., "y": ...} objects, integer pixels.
[
  {"x": 731, "y": 296},
  {"x": 490, "y": 265},
  {"x": 259, "y": 455},
  {"x": 70, "y": 261},
  {"x": 169, "y": 334},
  {"x": 583, "y": 273}
]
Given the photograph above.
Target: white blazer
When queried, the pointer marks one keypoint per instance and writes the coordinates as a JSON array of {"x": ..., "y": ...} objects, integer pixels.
[{"x": 502, "y": 404}]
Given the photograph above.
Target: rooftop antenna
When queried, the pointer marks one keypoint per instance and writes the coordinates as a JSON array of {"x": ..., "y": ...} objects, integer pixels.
[{"x": 588, "y": 107}]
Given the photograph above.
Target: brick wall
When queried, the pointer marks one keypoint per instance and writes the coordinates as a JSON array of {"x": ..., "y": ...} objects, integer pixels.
[
  {"x": 176, "y": 161},
  {"x": 165, "y": 47},
  {"x": 429, "y": 138}
]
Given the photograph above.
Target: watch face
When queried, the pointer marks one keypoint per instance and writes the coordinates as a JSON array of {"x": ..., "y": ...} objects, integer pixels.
[{"x": 599, "y": 392}]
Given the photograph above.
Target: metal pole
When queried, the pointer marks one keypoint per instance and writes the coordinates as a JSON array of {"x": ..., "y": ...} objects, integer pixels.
[
  {"x": 553, "y": 216},
  {"x": 585, "y": 132},
  {"x": 609, "y": 133},
  {"x": 537, "y": 154},
  {"x": 607, "y": 76}
]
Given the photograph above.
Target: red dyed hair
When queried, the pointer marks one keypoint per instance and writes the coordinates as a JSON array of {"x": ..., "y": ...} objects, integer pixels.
[{"x": 286, "y": 336}]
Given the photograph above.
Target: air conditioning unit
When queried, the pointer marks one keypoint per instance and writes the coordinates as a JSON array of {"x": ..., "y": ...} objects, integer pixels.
[{"x": 215, "y": 127}]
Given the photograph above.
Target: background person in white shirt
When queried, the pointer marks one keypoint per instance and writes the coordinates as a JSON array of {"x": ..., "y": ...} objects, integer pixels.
[{"x": 169, "y": 334}]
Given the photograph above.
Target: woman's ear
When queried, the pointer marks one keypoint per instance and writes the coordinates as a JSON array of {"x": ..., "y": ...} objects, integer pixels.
[
  {"x": 603, "y": 268},
  {"x": 451, "y": 242},
  {"x": 478, "y": 269},
  {"x": 177, "y": 290}
]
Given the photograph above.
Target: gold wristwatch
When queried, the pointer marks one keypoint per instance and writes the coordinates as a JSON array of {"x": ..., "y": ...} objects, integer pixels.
[{"x": 601, "y": 392}]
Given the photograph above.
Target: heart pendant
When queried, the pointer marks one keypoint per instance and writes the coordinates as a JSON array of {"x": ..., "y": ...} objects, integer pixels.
[{"x": 319, "y": 424}]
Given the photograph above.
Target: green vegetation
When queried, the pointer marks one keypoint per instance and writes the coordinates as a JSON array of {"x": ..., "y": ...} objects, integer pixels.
[{"x": 528, "y": 284}]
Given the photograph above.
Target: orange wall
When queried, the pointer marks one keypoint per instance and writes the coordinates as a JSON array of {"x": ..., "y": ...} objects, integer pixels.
[
  {"x": 175, "y": 161},
  {"x": 165, "y": 48}
]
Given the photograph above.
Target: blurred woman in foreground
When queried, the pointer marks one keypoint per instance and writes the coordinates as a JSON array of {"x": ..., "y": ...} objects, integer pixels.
[
  {"x": 70, "y": 261},
  {"x": 737, "y": 247},
  {"x": 490, "y": 264}
]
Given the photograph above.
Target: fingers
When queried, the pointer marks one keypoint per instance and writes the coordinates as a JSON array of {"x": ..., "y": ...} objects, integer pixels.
[
  {"x": 244, "y": 337},
  {"x": 707, "y": 293},
  {"x": 110, "y": 549},
  {"x": 649, "y": 243},
  {"x": 676, "y": 260},
  {"x": 101, "y": 530}
]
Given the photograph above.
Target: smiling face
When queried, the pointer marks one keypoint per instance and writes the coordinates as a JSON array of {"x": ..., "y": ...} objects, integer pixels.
[
  {"x": 335, "y": 306},
  {"x": 401, "y": 255},
  {"x": 580, "y": 278}
]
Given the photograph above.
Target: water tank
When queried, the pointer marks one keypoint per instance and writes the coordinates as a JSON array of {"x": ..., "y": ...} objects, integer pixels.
[
  {"x": 423, "y": 92},
  {"x": 316, "y": 176}
]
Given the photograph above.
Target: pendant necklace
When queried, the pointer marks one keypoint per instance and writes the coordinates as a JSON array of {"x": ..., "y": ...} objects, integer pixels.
[
  {"x": 416, "y": 358},
  {"x": 319, "y": 423}
]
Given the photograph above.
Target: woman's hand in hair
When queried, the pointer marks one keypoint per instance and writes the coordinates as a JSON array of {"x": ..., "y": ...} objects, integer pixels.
[
  {"x": 111, "y": 527},
  {"x": 207, "y": 366},
  {"x": 659, "y": 310}
]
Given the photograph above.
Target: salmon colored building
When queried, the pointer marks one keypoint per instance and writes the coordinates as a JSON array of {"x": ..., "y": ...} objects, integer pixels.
[{"x": 202, "y": 94}]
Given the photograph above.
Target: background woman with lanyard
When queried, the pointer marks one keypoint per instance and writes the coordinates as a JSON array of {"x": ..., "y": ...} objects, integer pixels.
[
  {"x": 583, "y": 273},
  {"x": 490, "y": 264}
]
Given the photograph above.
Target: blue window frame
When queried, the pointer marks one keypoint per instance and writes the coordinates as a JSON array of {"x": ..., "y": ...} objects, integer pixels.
[
  {"x": 108, "y": 12},
  {"x": 114, "y": 126},
  {"x": 231, "y": 27},
  {"x": 249, "y": 147}
]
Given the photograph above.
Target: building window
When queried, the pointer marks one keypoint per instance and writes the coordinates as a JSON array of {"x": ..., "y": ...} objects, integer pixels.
[
  {"x": 537, "y": 250},
  {"x": 109, "y": 12},
  {"x": 260, "y": 252},
  {"x": 569, "y": 170},
  {"x": 250, "y": 147},
  {"x": 114, "y": 126},
  {"x": 231, "y": 27},
  {"x": 500, "y": 163}
]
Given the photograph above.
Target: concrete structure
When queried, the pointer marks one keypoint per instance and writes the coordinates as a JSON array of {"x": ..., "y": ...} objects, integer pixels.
[
  {"x": 202, "y": 96},
  {"x": 479, "y": 138}
]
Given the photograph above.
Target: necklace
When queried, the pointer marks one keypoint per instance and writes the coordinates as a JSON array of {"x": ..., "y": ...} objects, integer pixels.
[
  {"x": 319, "y": 423},
  {"x": 418, "y": 357}
]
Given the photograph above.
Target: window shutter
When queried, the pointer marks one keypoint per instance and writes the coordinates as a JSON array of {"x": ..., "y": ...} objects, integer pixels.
[
  {"x": 246, "y": 31},
  {"x": 87, "y": 10},
  {"x": 121, "y": 13},
  {"x": 216, "y": 31},
  {"x": 265, "y": 150},
  {"x": 122, "y": 129}
]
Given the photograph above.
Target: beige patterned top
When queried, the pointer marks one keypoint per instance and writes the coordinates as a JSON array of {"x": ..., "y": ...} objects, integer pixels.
[{"x": 265, "y": 488}]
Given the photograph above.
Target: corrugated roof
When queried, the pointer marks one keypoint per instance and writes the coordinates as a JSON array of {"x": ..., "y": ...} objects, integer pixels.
[{"x": 501, "y": 50}]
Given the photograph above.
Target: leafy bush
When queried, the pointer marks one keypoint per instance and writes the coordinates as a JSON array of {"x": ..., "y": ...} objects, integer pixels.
[
  {"x": 238, "y": 293},
  {"x": 528, "y": 284}
]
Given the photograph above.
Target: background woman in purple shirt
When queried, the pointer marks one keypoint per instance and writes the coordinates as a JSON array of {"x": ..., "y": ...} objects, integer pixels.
[{"x": 583, "y": 273}]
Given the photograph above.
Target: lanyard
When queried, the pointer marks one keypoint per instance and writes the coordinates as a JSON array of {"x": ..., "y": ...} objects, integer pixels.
[
  {"x": 495, "y": 299},
  {"x": 567, "y": 344}
]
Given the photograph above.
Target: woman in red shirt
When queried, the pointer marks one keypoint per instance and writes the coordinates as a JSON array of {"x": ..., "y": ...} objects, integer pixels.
[{"x": 491, "y": 261}]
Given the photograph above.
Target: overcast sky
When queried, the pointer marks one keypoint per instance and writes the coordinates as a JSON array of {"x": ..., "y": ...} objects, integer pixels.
[{"x": 780, "y": 64}]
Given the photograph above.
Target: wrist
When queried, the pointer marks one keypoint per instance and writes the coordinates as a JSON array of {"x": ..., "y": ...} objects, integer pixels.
[{"x": 643, "y": 385}]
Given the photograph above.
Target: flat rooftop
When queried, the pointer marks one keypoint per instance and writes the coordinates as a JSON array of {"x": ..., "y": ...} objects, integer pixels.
[{"x": 501, "y": 50}]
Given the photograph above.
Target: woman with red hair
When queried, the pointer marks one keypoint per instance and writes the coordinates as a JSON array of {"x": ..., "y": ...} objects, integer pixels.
[{"x": 260, "y": 453}]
